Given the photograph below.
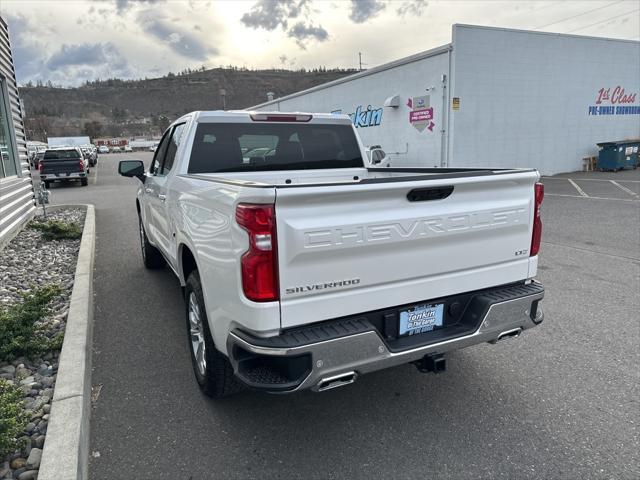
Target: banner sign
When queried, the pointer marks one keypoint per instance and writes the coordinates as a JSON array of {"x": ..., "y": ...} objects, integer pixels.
[
  {"x": 421, "y": 114},
  {"x": 615, "y": 101}
]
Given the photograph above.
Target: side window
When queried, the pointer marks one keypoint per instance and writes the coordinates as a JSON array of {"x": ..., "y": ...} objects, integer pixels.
[
  {"x": 158, "y": 157},
  {"x": 8, "y": 165},
  {"x": 172, "y": 148}
]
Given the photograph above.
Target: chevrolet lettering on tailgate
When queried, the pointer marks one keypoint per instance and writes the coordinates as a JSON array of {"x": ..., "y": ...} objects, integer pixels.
[{"x": 411, "y": 229}]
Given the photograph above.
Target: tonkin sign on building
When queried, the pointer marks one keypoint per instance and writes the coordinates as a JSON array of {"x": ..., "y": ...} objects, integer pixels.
[{"x": 364, "y": 117}]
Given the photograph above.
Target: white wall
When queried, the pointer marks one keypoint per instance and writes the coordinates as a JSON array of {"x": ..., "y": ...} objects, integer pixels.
[
  {"x": 394, "y": 131},
  {"x": 524, "y": 100},
  {"x": 525, "y": 97}
]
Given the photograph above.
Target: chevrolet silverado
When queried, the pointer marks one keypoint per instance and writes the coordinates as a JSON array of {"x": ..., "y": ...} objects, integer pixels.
[{"x": 305, "y": 269}]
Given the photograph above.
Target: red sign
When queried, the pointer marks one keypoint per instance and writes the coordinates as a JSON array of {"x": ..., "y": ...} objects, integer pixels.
[
  {"x": 617, "y": 97},
  {"x": 111, "y": 142}
]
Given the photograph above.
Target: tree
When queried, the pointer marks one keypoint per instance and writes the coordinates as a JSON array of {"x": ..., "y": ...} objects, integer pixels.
[
  {"x": 162, "y": 122},
  {"x": 38, "y": 126},
  {"x": 93, "y": 129},
  {"x": 114, "y": 130},
  {"x": 119, "y": 114}
]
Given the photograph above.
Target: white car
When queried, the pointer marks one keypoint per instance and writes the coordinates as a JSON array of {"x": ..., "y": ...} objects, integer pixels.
[
  {"x": 115, "y": 150},
  {"x": 127, "y": 148},
  {"x": 308, "y": 269},
  {"x": 103, "y": 149}
]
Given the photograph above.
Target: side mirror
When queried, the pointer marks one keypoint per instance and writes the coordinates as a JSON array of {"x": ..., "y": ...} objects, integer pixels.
[{"x": 132, "y": 168}]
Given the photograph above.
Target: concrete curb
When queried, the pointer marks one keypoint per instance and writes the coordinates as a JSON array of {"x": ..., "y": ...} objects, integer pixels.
[{"x": 66, "y": 449}]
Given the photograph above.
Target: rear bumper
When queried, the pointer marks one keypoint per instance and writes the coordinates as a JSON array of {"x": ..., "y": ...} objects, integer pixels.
[
  {"x": 306, "y": 358},
  {"x": 63, "y": 176}
]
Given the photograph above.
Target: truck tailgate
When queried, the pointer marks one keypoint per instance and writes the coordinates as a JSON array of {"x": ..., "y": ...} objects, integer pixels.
[
  {"x": 345, "y": 249},
  {"x": 51, "y": 166}
]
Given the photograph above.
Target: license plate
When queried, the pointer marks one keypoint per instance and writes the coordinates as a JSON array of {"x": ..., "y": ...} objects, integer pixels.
[{"x": 421, "y": 319}]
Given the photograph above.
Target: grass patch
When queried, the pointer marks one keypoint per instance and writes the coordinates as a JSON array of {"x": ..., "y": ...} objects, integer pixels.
[
  {"x": 19, "y": 332},
  {"x": 57, "y": 230},
  {"x": 13, "y": 417}
]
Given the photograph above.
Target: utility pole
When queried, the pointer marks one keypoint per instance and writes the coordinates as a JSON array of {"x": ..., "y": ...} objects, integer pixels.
[{"x": 360, "y": 64}]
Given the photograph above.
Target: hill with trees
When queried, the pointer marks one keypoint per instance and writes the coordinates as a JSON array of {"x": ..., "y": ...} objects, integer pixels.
[{"x": 140, "y": 108}]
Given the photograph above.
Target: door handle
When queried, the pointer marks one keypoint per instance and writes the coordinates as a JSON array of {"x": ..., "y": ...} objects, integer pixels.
[
  {"x": 162, "y": 196},
  {"x": 148, "y": 190}
]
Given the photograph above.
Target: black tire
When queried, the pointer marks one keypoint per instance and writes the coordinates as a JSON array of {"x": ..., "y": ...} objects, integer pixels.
[
  {"x": 84, "y": 182},
  {"x": 47, "y": 185},
  {"x": 151, "y": 256},
  {"x": 215, "y": 377}
]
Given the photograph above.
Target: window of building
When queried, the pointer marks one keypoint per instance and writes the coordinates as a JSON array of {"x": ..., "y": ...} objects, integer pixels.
[{"x": 8, "y": 163}]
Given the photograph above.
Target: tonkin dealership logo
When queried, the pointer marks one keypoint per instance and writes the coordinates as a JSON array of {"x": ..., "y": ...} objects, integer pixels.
[{"x": 364, "y": 117}]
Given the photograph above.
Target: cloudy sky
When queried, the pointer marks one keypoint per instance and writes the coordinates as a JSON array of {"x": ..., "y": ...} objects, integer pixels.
[{"x": 70, "y": 41}]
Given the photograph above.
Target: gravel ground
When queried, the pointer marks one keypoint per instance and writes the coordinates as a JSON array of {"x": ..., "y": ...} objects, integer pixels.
[{"x": 30, "y": 262}]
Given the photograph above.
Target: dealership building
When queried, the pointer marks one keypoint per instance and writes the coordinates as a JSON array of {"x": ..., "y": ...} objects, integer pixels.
[
  {"x": 17, "y": 204},
  {"x": 493, "y": 97}
]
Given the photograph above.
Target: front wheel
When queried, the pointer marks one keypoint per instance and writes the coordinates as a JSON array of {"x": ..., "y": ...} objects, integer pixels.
[
  {"x": 151, "y": 256},
  {"x": 213, "y": 371}
]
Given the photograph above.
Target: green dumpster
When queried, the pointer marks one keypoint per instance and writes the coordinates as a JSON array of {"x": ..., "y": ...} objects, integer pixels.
[{"x": 618, "y": 155}]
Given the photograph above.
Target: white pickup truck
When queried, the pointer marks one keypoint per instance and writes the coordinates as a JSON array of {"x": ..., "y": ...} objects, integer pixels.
[{"x": 303, "y": 268}]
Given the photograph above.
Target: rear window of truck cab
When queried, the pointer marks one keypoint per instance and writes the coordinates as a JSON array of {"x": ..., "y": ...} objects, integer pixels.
[
  {"x": 241, "y": 147},
  {"x": 61, "y": 154}
]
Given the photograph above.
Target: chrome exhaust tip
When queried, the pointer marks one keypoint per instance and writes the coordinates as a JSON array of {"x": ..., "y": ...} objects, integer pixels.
[
  {"x": 509, "y": 334},
  {"x": 336, "y": 381}
]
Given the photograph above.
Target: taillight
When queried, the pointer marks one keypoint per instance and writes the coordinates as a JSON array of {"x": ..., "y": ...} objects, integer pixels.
[
  {"x": 81, "y": 165},
  {"x": 537, "y": 221},
  {"x": 259, "y": 263},
  {"x": 40, "y": 166}
]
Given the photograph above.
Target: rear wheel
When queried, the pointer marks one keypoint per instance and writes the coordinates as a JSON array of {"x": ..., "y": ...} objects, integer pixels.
[
  {"x": 151, "y": 256},
  {"x": 213, "y": 371},
  {"x": 84, "y": 182},
  {"x": 47, "y": 184}
]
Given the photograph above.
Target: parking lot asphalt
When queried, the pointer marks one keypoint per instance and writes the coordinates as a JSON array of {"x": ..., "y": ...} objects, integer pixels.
[{"x": 559, "y": 402}]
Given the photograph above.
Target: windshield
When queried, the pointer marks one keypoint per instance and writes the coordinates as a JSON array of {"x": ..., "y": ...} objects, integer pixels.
[{"x": 219, "y": 147}]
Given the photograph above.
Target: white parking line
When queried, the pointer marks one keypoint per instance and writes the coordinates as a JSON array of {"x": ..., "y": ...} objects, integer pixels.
[
  {"x": 580, "y": 191},
  {"x": 544, "y": 179},
  {"x": 605, "y": 180},
  {"x": 590, "y": 198},
  {"x": 624, "y": 189},
  {"x": 95, "y": 177}
]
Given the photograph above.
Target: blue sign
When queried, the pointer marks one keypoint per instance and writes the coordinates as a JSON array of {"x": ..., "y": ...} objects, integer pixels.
[{"x": 366, "y": 118}]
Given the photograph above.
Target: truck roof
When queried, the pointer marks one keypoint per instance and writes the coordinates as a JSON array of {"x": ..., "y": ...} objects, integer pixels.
[{"x": 246, "y": 116}]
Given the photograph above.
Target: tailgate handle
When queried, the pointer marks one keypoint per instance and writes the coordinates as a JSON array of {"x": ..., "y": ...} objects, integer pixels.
[{"x": 432, "y": 193}]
